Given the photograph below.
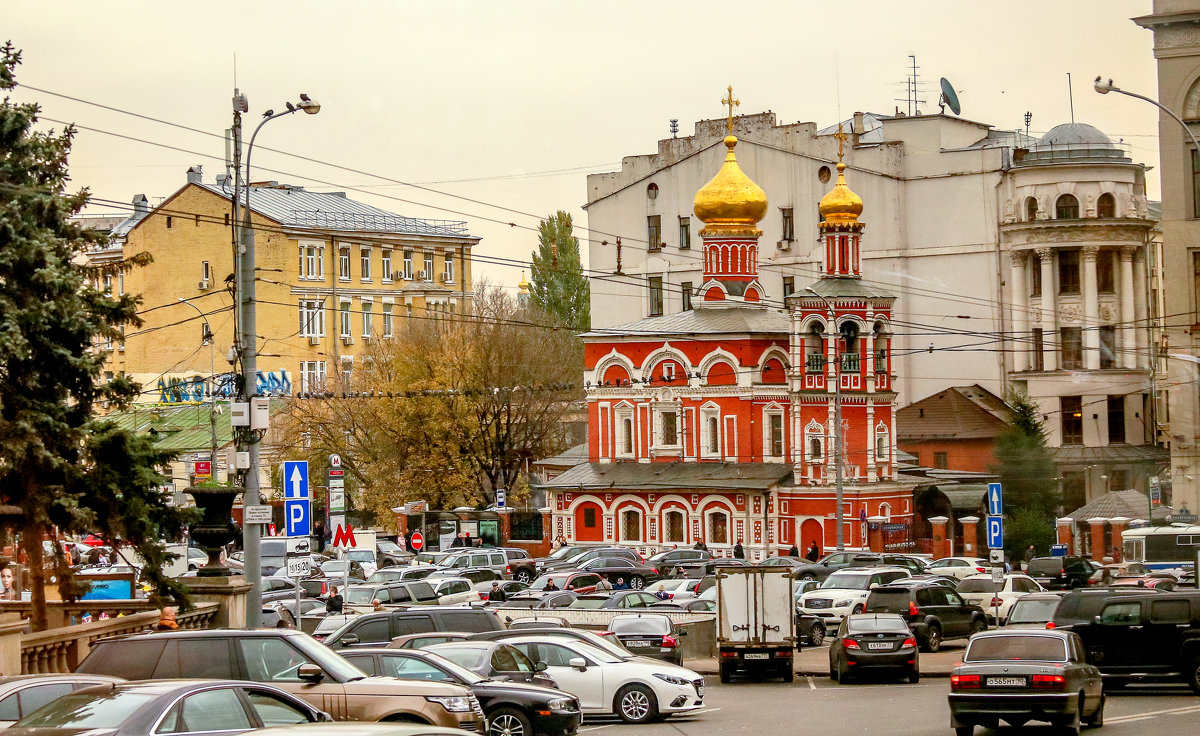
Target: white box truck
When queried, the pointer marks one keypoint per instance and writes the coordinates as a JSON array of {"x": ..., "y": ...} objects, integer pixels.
[{"x": 756, "y": 629}]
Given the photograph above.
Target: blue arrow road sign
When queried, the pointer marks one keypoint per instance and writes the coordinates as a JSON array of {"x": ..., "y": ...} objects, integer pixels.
[
  {"x": 298, "y": 517},
  {"x": 295, "y": 479},
  {"x": 995, "y": 499},
  {"x": 995, "y": 532}
]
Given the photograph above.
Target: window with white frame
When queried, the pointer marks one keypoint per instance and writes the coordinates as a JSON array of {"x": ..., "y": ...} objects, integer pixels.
[
  {"x": 429, "y": 267},
  {"x": 364, "y": 256},
  {"x": 668, "y": 428},
  {"x": 367, "y": 305},
  {"x": 624, "y": 433},
  {"x": 631, "y": 525},
  {"x": 449, "y": 270},
  {"x": 406, "y": 273},
  {"x": 673, "y": 525},
  {"x": 344, "y": 263},
  {"x": 120, "y": 283},
  {"x": 312, "y": 375},
  {"x": 882, "y": 445},
  {"x": 885, "y": 510},
  {"x": 773, "y": 433},
  {"x": 718, "y": 527},
  {"x": 312, "y": 261},
  {"x": 385, "y": 265},
  {"x": 312, "y": 318},
  {"x": 710, "y": 431},
  {"x": 344, "y": 311},
  {"x": 347, "y": 370},
  {"x": 814, "y": 442},
  {"x": 388, "y": 329}
]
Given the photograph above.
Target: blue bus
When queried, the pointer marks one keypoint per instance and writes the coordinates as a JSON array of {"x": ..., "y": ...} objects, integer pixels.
[{"x": 1162, "y": 547}]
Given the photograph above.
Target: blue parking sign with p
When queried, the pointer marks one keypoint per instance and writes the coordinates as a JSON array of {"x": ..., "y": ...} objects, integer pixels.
[{"x": 995, "y": 532}]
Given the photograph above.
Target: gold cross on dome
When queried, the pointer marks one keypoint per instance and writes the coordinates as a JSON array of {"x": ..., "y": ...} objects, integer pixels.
[
  {"x": 731, "y": 103},
  {"x": 841, "y": 138}
]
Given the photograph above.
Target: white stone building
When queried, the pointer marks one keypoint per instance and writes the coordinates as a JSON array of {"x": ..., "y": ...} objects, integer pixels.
[{"x": 950, "y": 235}]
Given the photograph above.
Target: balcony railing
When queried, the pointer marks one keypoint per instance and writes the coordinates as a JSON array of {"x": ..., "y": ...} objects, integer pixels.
[
  {"x": 814, "y": 363},
  {"x": 850, "y": 362}
]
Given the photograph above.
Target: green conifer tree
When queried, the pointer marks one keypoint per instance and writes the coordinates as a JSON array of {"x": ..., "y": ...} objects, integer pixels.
[{"x": 558, "y": 285}]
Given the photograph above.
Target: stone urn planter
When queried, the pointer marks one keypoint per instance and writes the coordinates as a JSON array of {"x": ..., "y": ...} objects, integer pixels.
[{"x": 215, "y": 528}]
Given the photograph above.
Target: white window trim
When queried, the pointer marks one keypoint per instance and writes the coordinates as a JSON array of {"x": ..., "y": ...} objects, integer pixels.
[
  {"x": 620, "y": 414},
  {"x": 707, "y": 530},
  {"x": 768, "y": 412},
  {"x": 385, "y": 264},
  {"x": 344, "y": 250},
  {"x": 621, "y": 523},
  {"x": 389, "y": 319},
  {"x": 659, "y": 443},
  {"x": 368, "y": 316},
  {"x": 364, "y": 259},
  {"x": 345, "y": 320},
  {"x": 707, "y": 413},
  {"x": 814, "y": 430},
  {"x": 666, "y": 526},
  {"x": 881, "y": 432}
]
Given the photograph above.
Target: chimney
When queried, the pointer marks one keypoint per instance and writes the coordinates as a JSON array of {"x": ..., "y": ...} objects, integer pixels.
[
  {"x": 858, "y": 128},
  {"x": 194, "y": 175},
  {"x": 141, "y": 205},
  {"x": 221, "y": 179}
]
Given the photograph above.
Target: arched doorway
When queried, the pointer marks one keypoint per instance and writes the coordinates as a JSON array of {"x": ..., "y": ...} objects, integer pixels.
[
  {"x": 811, "y": 531},
  {"x": 589, "y": 522}
]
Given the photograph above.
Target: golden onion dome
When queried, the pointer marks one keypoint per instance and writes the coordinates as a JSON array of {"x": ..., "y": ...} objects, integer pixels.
[
  {"x": 523, "y": 285},
  {"x": 730, "y": 203},
  {"x": 841, "y": 206}
]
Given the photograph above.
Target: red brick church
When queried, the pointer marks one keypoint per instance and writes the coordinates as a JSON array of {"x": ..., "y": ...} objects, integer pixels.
[{"x": 716, "y": 424}]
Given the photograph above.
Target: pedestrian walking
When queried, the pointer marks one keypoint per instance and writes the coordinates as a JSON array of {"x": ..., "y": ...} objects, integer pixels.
[
  {"x": 333, "y": 603},
  {"x": 813, "y": 553},
  {"x": 166, "y": 621},
  {"x": 738, "y": 552},
  {"x": 794, "y": 551},
  {"x": 604, "y": 586},
  {"x": 621, "y": 584},
  {"x": 497, "y": 593}
]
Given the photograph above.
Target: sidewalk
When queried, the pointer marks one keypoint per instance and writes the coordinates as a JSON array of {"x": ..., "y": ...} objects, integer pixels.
[{"x": 815, "y": 661}]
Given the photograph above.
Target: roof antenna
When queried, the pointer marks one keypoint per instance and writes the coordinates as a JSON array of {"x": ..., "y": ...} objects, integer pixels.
[{"x": 1071, "y": 96}]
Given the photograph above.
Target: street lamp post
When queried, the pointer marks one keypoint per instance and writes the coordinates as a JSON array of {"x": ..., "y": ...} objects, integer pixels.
[
  {"x": 837, "y": 417},
  {"x": 248, "y": 345},
  {"x": 211, "y": 389}
]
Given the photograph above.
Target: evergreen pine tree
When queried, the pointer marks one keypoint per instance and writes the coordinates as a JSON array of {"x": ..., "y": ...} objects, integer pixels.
[
  {"x": 558, "y": 285},
  {"x": 1028, "y": 475}
]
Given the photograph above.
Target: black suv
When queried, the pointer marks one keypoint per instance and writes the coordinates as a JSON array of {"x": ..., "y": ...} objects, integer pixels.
[
  {"x": 1083, "y": 605},
  {"x": 1141, "y": 637},
  {"x": 378, "y": 629},
  {"x": 1061, "y": 573},
  {"x": 934, "y": 613}
]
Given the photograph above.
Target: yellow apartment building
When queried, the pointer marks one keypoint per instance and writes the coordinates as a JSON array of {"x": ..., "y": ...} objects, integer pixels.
[{"x": 333, "y": 275}]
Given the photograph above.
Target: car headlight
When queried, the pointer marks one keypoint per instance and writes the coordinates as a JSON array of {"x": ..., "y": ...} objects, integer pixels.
[
  {"x": 673, "y": 679},
  {"x": 559, "y": 704},
  {"x": 841, "y": 604},
  {"x": 452, "y": 703}
]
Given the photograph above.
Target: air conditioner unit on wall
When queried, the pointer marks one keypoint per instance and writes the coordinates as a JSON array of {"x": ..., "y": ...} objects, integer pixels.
[
  {"x": 398, "y": 276},
  {"x": 314, "y": 340},
  {"x": 784, "y": 245},
  {"x": 203, "y": 285},
  {"x": 421, "y": 276}
]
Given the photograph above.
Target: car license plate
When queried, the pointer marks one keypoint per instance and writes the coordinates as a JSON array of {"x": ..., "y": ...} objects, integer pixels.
[
  {"x": 758, "y": 655},
  {"x": 639, "y": 643},
  {"x": 1006, "y": 681},
  {"x": 700, "y": 691},
  {"x": 879, "y": 645}
]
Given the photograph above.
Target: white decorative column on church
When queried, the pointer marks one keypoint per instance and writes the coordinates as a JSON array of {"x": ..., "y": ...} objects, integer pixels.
[
  {"x": 830, "y": 443},
  {"x": 1141, "y": 310},
  {"x": 1091, "y": 310},
  {"x": 870, "y": 471},
  {"x": 1128, "y": 319},
  {"x": 1020, "y": 311},
  {"x": 870, "y": 356},
  {"x": 1049, "y": 310}
]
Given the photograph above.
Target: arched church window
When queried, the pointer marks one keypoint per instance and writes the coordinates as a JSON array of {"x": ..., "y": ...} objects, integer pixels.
[
  {"x": 1106, "y": 206},
  {"x": 1066, "y": 207}
]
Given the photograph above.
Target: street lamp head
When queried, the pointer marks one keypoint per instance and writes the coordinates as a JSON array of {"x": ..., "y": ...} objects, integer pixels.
[
  {"x": 309, "y": 105},
  {"x": 1103, "y": 87}
]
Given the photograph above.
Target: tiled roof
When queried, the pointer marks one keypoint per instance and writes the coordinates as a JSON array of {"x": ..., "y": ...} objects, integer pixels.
[
  {"x": 958, "y": 412},
  {"x": 1129, "y": 504},
  {"x": 298, "y": 207},
  {"x": 846, "y": 287},
  {"x": 674, "y": 475},
  {"x": 702, "y": 321},
  {"x": 569, "y": 457},
  {"x": 1075, "y": 455}
]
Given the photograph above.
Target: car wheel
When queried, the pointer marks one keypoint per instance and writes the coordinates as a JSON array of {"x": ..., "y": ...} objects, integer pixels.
[
  {"x": 1096, "y": 720},
  {"x": 523, "y": 576},
  {"x": 509, "y": 722},
  {"x": 816, "y": 635},
  {"x": 636, "y": 704},
  {"x": 843, "y": 673},
  {"x": 933, "y": 639},
  {"x": 857, "y": 609},
  {"x": 1076, "y": 722},
  {"x": 807, "y": 576},
  {"x": 964, "y": 730},
  {"x": 1193, "y": 677},
  {"x": 726, "y": 672},
  {"x": 977, "y": 626},
  {"x": 914, "y": 676},
  {"x": 637, "y": 582}
]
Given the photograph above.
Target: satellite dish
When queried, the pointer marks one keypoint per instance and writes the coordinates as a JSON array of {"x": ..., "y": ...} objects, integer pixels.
[{"x": 949, "y": 97}]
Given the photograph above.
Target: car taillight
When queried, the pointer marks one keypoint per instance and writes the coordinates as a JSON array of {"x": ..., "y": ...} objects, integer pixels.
[
  {"x": 1049, "y": 624},
  {"x": 670, "y": 595},
  {"x": 850, "y": 644},
  {"x": 964, "y": 682},
  {"x": 696, "y": 588},
  {"x": 1049, "y": 682},
  {"x": 669, "y": 641},
  {"x": 909, "y": 642},
  {"x": 508, "y": 569},
  {"x": 483, "y": 596},
  {"x": 324, "y": 588},
  {"x": 980, "y": 569},
  {"x": 912, "y": 609},
  {"x": 996, "y": 602},
  {"x": 654, "y": 570}
]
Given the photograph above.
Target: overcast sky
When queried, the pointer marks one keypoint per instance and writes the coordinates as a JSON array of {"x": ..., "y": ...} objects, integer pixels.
[{"x": 511, "y": 104}]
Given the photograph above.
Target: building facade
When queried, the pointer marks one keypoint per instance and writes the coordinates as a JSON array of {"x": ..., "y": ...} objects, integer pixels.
[
  {"x": 334, "y": 276},
  {"x": 1176, "y": 28},
  {"x": 968, "y": 225},
  {"x": 707, "y": 426},
  {"x": 954, "y": 428}
]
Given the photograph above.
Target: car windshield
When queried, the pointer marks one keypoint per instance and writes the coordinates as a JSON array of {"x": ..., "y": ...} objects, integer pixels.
[
  {"x": 470, "y": 677},
  {"x": 1010, "y": 648},
  {"x": 359, "y": 596},
  {"x": 1027, "y": 611},
  {"x": 586, "y": 602},
  {"x": 81, "y": 710},
  {"x": 872, "y": 624},
  {"x": 361, "y": 555},
  {"x": 1045, "y": 566},
  {"x": 640, "y": 625},
  {"x": 469, "y": 657},
  {"x": 334, "y": 566},
  {"x": 848, "y": 581},
  {"x": 595, "y": 653},
  {"x": 979, "y": 585},
  {"x": 387, "y": 546},
  {"x": 540, "y": 583}
]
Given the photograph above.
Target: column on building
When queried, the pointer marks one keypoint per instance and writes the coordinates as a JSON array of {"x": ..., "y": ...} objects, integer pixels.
[
  {"x": 1119, "y": 525},
  {"x": 871, "y": 459},
  {"x": 941, "y": 545},
  {"x": 1020, "y": 311},
  {"x": 1049, "y": 309},
  {"x": 1091, "y": 309},
  {"x": 1066, "y": 528},
  {"x": 1141, "y": 310},
  {"x": 1099, "y": 551},
  {"x": 1129, "y": 325},
  {"x": 970, "y": 526}
]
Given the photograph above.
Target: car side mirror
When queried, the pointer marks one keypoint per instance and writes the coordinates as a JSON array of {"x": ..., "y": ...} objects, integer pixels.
[
  {"x": 539, "y": 667},
  {"x": 311, "y": 673},
  {"x": 1096, "y": 620},
  {"x": 578, "y": 663},
  {"x": 324, "y": 717},
  {"x": 874, "y": 586},
  {"x": 349, "y": 640}
]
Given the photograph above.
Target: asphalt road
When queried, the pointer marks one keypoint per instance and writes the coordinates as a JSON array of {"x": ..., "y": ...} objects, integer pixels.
[{"x": 813, "y": 705}]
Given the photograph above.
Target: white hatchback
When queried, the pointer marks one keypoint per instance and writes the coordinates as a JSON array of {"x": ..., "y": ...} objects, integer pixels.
[
  {"x": 635, "y": 689},
  {"x": 845, "y": 591},
  {"x": 451, "y": 591},
  {"x": 959, "y": 567},
  {"x": 997, "y": 597}
]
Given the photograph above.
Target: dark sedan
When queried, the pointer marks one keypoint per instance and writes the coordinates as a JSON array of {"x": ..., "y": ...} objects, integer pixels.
[
  {"x": 555, "y": 599},
  {"x": 1022, "y": 675},
  {"x": 512, "y": 709},
  {"x": 650, "y": 635},
  {"x": 618, "y": 569},
  {"x": 182, "y": 706},
  {"x": 619, "y": 599},
  {"x": 494, "y": 660},
  {"x": 873, "y": 641}
]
